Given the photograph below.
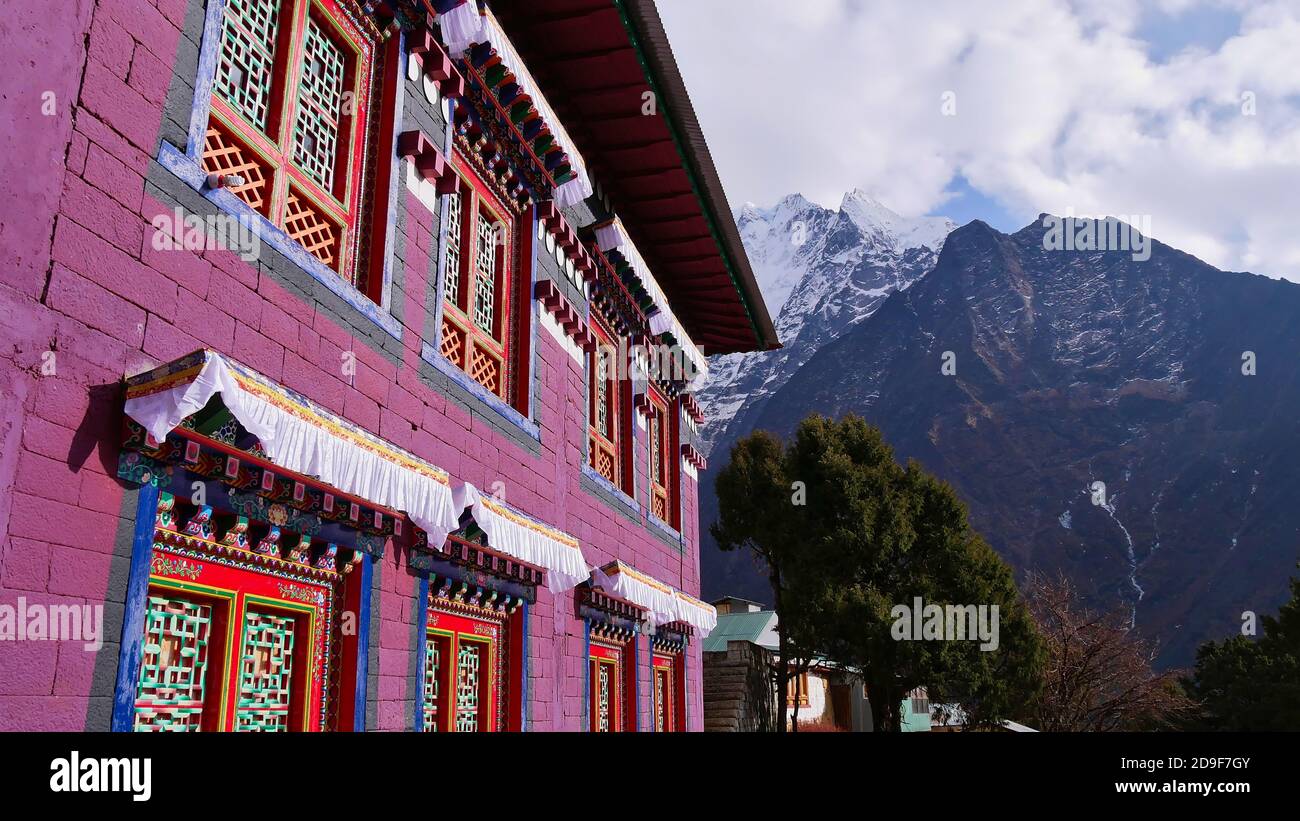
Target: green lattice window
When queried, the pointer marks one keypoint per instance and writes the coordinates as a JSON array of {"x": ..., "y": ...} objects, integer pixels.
[
  {"x": 170, "y": 693},
  {"x": 265, "y": 673},
  {"x": 246, "y": 60},
  {"x": 433, "y": 651},
  {"x": 291, "y": 109},
  {"x": 452, "y": 274},
  {"x": 320, "y": 103},
  {"x": 468, "y": 664}
]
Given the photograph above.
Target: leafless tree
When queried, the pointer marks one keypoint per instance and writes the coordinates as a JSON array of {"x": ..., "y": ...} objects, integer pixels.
[{"x": 1099, "y": 675}]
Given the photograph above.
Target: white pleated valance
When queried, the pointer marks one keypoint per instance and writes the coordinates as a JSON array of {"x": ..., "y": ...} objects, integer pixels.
[
  {"x": 663, "y": 603},
  {"x": 658, "y": 599},
  {"x": 515, "y": 534},
  {"x": 463, "y": 26},
  {"x": 700, "y": 615},
  {"x": 612, "y": 236},
  {"x": 298, "y": 436}
]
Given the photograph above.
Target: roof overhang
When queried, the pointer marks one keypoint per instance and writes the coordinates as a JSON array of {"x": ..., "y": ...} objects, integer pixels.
[{"x": 596, "y": 60}]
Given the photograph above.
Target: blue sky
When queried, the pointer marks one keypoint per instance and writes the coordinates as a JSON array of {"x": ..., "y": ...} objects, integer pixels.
[
  {"x": 1205, "y": 26},
  {"x": 969, "y": 203},
  {"x": 1184, "y": 110}
]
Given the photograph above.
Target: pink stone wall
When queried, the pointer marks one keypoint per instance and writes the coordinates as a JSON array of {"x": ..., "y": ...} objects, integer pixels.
[{"x": 79, "y": 277}]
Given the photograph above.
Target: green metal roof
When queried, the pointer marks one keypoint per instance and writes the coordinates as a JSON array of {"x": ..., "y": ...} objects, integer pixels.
[{"x": 748, "y": 627}]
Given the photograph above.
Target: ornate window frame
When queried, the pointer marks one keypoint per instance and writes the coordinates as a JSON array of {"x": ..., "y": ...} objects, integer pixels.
[
  {"x": 241, "y": 550},
  {"x": 663, "y": 462},
  {"x": 470, "y": 593},
  {"x": 375, "y": 184},
  {"x": 609, "y": 418},
  {"x": 455, "y": 631},
  {"x": 668, "y": 678},
  {"x": 490, "y": 346},
  {"x": 613, "y": 662}
]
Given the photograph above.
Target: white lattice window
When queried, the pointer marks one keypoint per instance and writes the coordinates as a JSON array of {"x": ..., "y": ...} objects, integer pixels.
[
  {"x": 656, "y": 444},
  {"x": 477, "y": 321},
  {"x": 603, "y": 704},
  {"x": 452, "y": 274},
  {"x": 602, "y": 406},
  {"x": 485, "y": 266}
]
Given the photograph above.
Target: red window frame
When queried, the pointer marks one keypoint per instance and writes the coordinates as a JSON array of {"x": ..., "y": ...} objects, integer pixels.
[
  {"x": 488, "y": 354},
  {"x": 446, "y": 632},
  {"x": 323, "y": 216},
  {"x": 613, "y": 660},
  {"x": 606, "y": 448},
  {"x": 232, "y": 580},
  {"x": 668, "y": 692},
  {"x": 663, "y": 466}
]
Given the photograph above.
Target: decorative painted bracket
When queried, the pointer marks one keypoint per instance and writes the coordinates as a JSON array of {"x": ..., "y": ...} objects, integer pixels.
[
  {"x": 461, "y": 569},
  {"x": 692, "y": 407},
  {"x": 429, "y": 162},
  {"x": 694, "y": 457},
  {"x": 255, "y": 485},
  {"x": 384, "y": 15},
  {"x": 643, "y": 405},
  {"x": 436, "y": 64},
  {"x": 566, "y": 316},
  {"x": 610, "y": 617},
  {"x": 672, "y": 637},
  {"x": 549, "y": 214}
]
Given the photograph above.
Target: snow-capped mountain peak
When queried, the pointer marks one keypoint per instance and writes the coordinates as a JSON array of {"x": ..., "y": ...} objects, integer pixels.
[
  {"x": 821, "y": 272},
  {"x": 907, "y": 232}
]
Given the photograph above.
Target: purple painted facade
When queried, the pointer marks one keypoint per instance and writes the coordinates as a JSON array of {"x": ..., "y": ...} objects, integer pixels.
[{"x": 80, "y": 278}]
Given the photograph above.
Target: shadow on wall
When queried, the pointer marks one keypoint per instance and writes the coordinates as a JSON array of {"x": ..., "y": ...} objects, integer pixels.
[{"x": 101, "y": 425}]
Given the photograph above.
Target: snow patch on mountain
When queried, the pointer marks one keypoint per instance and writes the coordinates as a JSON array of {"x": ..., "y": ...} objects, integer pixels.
[{"x": 821, "y": 272}]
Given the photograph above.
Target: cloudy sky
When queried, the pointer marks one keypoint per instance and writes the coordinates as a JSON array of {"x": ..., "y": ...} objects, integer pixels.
[{"x": 1184, "y": 110}]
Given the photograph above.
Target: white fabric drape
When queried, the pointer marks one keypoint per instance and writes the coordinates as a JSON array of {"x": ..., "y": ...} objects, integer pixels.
[
  {"x": 577, "y": 189},
  {"x": 609, "y": 237},
  {"x": 700, "y": 615},
  {"x": 526, "y": 539},
  {"x": 658, "y": 599},
  {"x": 663, "y": 603},
  {"x": 308, "y": 440},
  {"x": 461, "y": 27}
]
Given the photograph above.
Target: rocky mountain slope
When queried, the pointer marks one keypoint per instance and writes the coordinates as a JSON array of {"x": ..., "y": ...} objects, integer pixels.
[{"x": 1074, "y": 368}]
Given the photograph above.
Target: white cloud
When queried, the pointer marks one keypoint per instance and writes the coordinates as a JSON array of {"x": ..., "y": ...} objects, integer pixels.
[{"x": 1058, "y": 106}]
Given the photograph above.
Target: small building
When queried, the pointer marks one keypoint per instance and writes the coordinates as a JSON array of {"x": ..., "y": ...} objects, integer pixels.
[
  {"x": 740, "y": 693},
  {"x": 738, "y": 657}
]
